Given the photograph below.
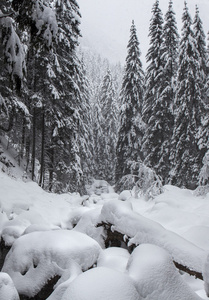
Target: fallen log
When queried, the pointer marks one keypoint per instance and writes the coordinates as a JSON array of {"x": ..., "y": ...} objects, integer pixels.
[
  {"x": 127, "y": 228},
  {"x": 117, "y": 239}
]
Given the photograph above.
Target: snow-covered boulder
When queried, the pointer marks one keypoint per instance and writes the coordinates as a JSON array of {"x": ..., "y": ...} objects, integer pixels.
[
  {"x": 99, "y": 187},
  {"x": 87, "y": 224},
  {"x": 101, "y": 283},
  {"x": 37, "y": 257},
  {"x": 125, "y": 195},
  {"x": 114, "y": 258},
  {"x": 155, "y": 275},
  {"x": 7, "y": 288},
  {"x": 67, "y": 277}
]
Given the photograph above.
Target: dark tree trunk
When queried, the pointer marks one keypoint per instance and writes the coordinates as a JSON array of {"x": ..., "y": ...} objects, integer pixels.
[
  {"x": 41, "y": 179},
  {"x": 34, "y": 144},
  {"x": 51, "y": 167},
  {"x": 27, "y": 148}
]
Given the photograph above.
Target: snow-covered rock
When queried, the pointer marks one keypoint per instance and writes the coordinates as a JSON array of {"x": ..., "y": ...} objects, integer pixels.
[
  {"x": 155, "y": 275},
  {"x": 125, "y": 195},
  {"x": 114, "y": 258},
  {"x": 91, "y": 218},
  {"x": 39, "y": 256},
  {"x": 103, "y": 284},
  {"x": 99, "y": 187},
  {"x": 67, "y": 277},
  {"x": 7, "y": 288}
]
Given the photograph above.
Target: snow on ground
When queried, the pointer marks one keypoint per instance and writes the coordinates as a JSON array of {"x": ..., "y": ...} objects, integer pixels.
[
  {"x": 155, "y": 275},
  {"x": 114, "y": 258},
  {"x": 176, "y": 220},
  {"x": 101, "y": 283},
  {"x": 142, "y": 230},
  {"x": 39, "y": 256},
  {"x": 7, "y": 288}
]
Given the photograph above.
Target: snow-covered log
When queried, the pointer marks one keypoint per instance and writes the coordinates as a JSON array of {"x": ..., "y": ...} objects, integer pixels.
[{"x": 133, "y": 229}]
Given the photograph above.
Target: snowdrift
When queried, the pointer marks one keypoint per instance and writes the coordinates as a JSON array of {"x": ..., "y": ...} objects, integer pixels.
[
  {"x": 37, "y": 257},
  {"x": 56, "y": 237}
]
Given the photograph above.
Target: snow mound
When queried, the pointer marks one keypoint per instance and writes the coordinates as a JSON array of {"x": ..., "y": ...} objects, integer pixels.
[
  {"x": 91, "y": 218},
  {"x": 63, "y": 283},
  {"x": 99, "y": 187},
  {"x": 114, "y": 258},
  {"x": 196, "y": 235},
  {"x": 101, "y": 283},
  {"x": 155, "y": 275},
  {"x": 7, "y": 288},
  {"x": 142, "y": 230},
  {"x": 39, "y": 256},
  {"x": 125, "y": 195}
]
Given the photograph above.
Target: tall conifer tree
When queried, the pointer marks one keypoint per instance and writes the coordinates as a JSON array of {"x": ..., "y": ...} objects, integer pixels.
[
  {"x": 200, "y": 37},
  {"x": 154, "y": 60},
  {"x": 131, "y": 125},
  {"x": 158, "y": 104},
  {"x": 201, "y": 44},
  {"x": 185, "y": 156},
  {"x": 109, "y": 126}
]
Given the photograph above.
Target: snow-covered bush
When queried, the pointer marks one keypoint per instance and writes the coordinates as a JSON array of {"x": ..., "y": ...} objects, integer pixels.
[
  {"x": 203, "y": 187},
  {"x": 98, "y": 187},
  {"x": 37, "y": 257},
  {"x": 101, "y": 283},
  {"x": 155, "y": 275},
  {"x": 143, "y": 180}
]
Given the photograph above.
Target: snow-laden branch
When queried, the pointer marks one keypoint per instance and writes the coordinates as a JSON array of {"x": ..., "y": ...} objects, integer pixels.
[
  {"x": 13, "y": 49},
  {"x": 45, "y": 21}
]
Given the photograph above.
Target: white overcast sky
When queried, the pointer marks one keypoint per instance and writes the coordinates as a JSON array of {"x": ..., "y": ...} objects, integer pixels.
[{"x": 105, "y": 24}]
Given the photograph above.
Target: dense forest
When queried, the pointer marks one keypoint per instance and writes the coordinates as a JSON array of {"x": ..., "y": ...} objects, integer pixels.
[{"x": 72, "y": 116}]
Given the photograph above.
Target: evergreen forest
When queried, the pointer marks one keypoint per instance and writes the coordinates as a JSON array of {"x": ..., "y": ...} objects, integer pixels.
[{"x": 73, "y": 116}]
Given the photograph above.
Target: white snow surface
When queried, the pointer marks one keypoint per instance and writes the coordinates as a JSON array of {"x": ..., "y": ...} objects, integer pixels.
[
  {"x": 114, "y": 258},
  {"x": 7, "y": 288},
  {"x": 142, "y": 230},
  {"x": 39, "y": 256},
  {"x": 36, "y": 223},
  {"x": 101, "y": 283},
  {"x": 155, "y": 275}
]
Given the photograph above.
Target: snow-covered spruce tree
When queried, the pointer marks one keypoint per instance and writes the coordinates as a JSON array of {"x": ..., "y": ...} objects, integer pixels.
[
  {"x": 86, "y": 140},
  {"x": 37, "y": 21},
  {"x": 201, "y": 43},
  {"x": 131, "y": 128},
  {"x": 185, "y": 155},
  {"x": 159, "y": 96},
  {"x": 66, "y": 116},
  {"x": 12, "y": 60},
  {"x": 155, "y": 64},
  {"x": 207, "y": 74},
  {"x": 202, "y": 134},
  {"x": 109, "y": 130}
]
